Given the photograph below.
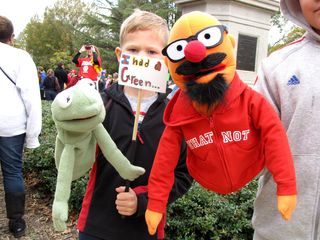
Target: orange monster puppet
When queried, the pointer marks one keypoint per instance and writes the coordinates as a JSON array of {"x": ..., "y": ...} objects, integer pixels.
[{"x": 231, "y": 131}]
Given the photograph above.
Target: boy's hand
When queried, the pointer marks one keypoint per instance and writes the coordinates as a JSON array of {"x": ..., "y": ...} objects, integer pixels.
[
  {"x": 153, "y": 219},
  {"x": 126, "y": 202},
  {"x": 287, "y": 205}
]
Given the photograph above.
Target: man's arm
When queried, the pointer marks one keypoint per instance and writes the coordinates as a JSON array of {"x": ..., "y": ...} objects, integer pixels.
[{"x": 28, "y": 84}]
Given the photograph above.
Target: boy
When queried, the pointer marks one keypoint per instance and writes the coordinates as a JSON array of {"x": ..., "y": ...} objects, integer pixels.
[
  {"x": 289, "y": 80},
  {"x": 106, "y": 202}
]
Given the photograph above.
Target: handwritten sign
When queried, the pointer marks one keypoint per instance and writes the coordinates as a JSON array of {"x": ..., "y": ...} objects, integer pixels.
[{"x": 143, "y": 72}]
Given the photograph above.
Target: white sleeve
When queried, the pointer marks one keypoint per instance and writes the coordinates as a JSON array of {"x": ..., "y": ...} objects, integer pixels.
[{"x": 28, "y": 85}]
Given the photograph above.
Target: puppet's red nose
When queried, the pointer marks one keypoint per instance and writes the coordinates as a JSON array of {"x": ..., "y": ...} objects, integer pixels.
[{"x": 195, "y": 51}]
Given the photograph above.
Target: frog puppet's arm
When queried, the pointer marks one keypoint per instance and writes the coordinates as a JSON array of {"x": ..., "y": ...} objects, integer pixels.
[
  {"x": 78, "y": 113},
  {"x": 113, "y": 154}
]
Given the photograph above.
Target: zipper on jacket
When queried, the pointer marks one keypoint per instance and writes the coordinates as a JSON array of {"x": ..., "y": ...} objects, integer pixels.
[
  {"x": 220, "y": 152},
  {"x": 211, "y": 122}
]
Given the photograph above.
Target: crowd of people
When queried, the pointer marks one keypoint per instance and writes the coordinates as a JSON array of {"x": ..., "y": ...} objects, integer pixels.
[
  {"x": 287, "y": 79},
  {"x": 51, "y": 82}
]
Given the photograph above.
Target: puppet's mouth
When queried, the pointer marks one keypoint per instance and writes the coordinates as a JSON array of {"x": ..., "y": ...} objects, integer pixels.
[
  {"x": 84, "y": 118},
  {"x": 210, "y": 64},
  {"x": 205, "y": 72},
  {"x": 80, "y": 118}
]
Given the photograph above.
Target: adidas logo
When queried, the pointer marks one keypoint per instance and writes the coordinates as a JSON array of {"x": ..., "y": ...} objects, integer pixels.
[{"x": 293, "y": 80}]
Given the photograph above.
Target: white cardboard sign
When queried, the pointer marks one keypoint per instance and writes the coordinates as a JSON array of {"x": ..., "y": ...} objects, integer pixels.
[{"x": 143, "y": 72}]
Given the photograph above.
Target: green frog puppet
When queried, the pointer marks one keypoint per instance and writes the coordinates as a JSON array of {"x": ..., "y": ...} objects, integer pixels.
[{"x": 78, "y": 113}]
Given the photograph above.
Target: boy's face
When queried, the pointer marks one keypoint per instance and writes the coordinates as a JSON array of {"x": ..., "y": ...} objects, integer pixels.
[
  {"x": 311, "y": 12},
  {"x": 143, "y": 43}
]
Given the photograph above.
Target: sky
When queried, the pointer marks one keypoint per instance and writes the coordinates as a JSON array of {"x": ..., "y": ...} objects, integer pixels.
[{"x": 21, "y": 11}]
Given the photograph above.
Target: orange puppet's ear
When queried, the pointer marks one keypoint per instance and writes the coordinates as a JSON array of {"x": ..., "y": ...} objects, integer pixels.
[
  {"x": 287, "y": 205},
  {"x": 232, "y": 40}
]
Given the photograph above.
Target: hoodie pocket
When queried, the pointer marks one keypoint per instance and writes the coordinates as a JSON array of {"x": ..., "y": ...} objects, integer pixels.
[
  {"x": 210, "y": 171},
  {"x": 247, "y": 139}
]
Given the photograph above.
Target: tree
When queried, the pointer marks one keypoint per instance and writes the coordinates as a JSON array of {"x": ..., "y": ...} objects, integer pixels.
[
  {"x": 293, "y": 34},
  {"x": 71, "y": 23},
  {"x": 57, "y": 32},
  {"x": 279, "y": 21},
  {"x": 107, "y": 21}
]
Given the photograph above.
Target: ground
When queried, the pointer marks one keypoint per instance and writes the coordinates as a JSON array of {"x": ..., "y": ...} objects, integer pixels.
[{"x": 37, "y": 216}]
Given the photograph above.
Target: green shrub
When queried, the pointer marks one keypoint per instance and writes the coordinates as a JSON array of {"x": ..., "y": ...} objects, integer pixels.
[
  {"x": 199, "y": 215},
  {"x": 204, "y": 215}
]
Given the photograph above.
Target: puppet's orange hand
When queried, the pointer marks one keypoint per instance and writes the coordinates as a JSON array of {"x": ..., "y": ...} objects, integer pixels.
[
  {"x": 287, "y": 205},
  {"x": 153, "y": 219}
]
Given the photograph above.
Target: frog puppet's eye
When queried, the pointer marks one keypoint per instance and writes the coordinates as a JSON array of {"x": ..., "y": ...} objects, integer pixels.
[
  {"x": 86, "y": 81},
  {"x": 64, "y": 98}
]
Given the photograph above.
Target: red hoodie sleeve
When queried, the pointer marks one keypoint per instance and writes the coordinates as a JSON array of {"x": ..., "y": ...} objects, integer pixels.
[
  {"x": 278, "y": 157},
  {"x": 162, "y": 173}
]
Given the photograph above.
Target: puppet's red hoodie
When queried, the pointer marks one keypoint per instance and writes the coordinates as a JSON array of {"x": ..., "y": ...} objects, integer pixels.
[{"x": 225, "y": 150}]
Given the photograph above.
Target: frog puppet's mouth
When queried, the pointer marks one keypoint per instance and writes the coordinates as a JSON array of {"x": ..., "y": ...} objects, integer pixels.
[{"x": 80, "y": 123}]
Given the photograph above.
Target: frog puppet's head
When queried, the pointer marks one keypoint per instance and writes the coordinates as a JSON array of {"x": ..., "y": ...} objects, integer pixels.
[{"x": 79, "y": 108}]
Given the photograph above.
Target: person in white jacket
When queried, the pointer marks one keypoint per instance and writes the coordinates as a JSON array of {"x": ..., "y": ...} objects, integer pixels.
[
  {"x": 20, "y": 121},
  {"x": 289, "y": 79}
]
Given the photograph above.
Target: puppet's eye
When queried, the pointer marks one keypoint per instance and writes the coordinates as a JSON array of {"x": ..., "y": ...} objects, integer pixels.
[
  {"x": 210, "y": 37},
  {"x": 64, "y": 98},
  {"x": 86, "y": 82},
  {"x": 175, "y": 51},
  {"x": 93, "y": 85}
]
